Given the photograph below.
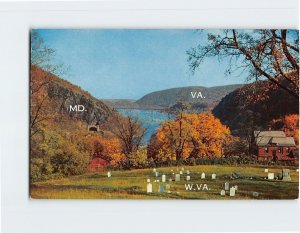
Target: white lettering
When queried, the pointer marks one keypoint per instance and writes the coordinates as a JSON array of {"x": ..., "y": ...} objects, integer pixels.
[
  {"x": 197, "y": 95},
  {"x": 76, "y": 108}
]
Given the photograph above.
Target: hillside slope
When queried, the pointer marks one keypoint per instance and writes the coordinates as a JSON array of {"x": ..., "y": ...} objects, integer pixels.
[
  {"x": 170, "y": 97},
  {"x": 60, "y": 141},
  {"x": 121, "y": 103},
  {"x": 242, "y": 107},
  {"x": 61, "y": 94}
]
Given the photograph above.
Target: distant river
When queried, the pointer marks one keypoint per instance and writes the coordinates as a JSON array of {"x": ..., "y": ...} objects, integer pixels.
[{"x": 150, "y": 119}]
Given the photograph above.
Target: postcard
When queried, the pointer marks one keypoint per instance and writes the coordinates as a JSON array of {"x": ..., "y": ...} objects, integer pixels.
[{"x": 164, "y": 114}]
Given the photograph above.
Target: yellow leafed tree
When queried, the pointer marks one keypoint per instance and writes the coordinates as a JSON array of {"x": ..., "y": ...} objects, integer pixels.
[{"x": 190, "y": 135}]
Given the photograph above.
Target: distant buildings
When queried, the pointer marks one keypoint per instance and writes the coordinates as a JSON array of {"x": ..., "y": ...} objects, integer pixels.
[{"x": 275, "y": 146}]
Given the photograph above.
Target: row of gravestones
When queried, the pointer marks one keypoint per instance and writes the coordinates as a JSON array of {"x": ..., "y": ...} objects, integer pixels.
[
  {"x": 284, "y": 175},
  {"x": 177, "y": 175},
  {"x": 232, "y": 190},
  {"x": 161, "y": 188}
]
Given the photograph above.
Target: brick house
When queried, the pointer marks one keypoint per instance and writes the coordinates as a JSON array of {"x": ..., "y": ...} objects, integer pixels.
[
  {"x": 275, "y": 146},
  {"x": 97, "y": 164}
]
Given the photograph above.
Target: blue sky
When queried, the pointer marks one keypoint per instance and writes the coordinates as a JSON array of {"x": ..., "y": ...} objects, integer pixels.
[{"x": 127, "y": 64}]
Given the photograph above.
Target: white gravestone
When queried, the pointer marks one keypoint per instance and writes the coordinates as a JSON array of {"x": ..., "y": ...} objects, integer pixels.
[
  {"x": 154, "y": 169},
  {"x": 180, "y": 172},
  {"x": 108, "y": 174},
  {"x": 188, "y": 178},
  {"x": 149, "y": 188},
  {"x": 203, "y": 175},
  {"x": 226, "y": 186},
  {"x": 270, "y": 176},
  {"x": 232, "y": 192},
  {"x": 187, "y": 172},
  {"x": 236, "y": 187},
  {"x": 168, "y": 186},
  {"x": 163, "y": 178},
  {"x": 286, "y": 175},
  {"x": 170, "y": 180},
  {"x": 266, "y": 170},
  {"x": 156, "y": 174},
  {"x": 213, "y": 176},
  {"x": 222, "y": 192},
  {"x": 177, "y": 177},
  {"x": 148, "y": 180}
]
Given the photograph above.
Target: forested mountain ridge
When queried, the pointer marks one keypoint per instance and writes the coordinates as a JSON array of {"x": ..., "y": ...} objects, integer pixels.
[
  {"x": 206, "y": 100},
  {"x": 169, "y": 97},
  {"x": 255, "y": 105}
]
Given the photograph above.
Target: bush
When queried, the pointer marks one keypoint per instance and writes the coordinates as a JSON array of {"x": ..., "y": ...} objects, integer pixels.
[
  {"x": 139, "y": 159},
  {"x": 57, "y": 157}
]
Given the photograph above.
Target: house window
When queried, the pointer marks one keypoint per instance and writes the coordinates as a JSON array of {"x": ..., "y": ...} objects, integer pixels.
[{"x": 266, "y": 149}]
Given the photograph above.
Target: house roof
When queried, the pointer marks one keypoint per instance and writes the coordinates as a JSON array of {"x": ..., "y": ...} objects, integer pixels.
[
  {"x": 269, "y": 134},
  {"x": 281, "y": 141},
  {"x": 268, "y": 138}
]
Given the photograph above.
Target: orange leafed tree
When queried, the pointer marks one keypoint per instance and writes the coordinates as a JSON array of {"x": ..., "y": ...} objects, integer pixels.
[
  {"x": 190, "y": 135},
  {"x": 291, "y": 127},
  {"x": 109, "y": 149},
  {"x": 289, "y": 124}
]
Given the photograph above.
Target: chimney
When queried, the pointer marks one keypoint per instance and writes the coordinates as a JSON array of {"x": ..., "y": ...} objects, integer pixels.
[{"x": 284, "y": 130}]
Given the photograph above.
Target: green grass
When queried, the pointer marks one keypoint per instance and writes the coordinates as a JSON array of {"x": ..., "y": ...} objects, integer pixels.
[{"x": 132, "y": 184}]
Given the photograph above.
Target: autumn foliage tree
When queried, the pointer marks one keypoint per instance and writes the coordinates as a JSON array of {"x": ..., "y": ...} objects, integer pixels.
[
  {"x": 108, "y": 148},
  {"x": 271, "y": 55},
  {"x": 130, "y": 132},
  {"x": 189, "y": 136},
  {"x": 43, "y": 57},
  {"x": 289, "y": 124}
]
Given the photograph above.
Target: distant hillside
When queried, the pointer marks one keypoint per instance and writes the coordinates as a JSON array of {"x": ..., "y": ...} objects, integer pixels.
[
  {"x": 120, "y": 103},
  {"x": 169, "y": 97},
  {"x": 239, "y": 107},
  {"x": 60, "y": 94}
]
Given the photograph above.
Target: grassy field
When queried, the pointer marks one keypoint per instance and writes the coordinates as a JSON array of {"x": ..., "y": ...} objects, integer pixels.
[{"x": 132, "y": 184}]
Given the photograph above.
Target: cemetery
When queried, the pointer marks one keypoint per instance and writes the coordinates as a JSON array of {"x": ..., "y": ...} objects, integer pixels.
[{"x": 190, "y": 182}]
